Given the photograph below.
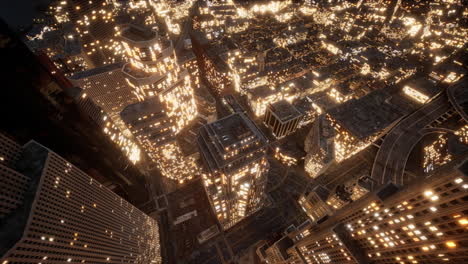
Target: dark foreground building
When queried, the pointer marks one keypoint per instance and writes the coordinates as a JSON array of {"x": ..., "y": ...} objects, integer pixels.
[{"x": 52, "y": 212}]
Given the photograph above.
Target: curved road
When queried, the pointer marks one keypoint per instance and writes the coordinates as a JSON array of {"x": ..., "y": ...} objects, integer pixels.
[
  {"x": 390, "y": 162},
  {"x": 457, "y": 95}
]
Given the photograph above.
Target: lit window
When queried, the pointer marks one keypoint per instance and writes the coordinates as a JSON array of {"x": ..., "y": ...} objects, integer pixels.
[{"x": 451, "y": 244}]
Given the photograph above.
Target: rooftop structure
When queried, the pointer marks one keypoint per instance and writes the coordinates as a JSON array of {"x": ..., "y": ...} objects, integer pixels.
[
  {"x": 358, "y": 123},
  {"x": 92, "y": 23},
  {"x": 282, "y": 118},
  {"x": 167, "y": 100},
  {"x": 106, "y": 86},
  {"x": 234, "y": 152}
]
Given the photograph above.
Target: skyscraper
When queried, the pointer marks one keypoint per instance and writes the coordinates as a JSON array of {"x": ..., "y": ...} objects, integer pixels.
[
  {"x": 106, "y": 86},
  {"x": 52, "y": 212},
  {"x": 94, "y": 24},
  {"x": 102, "y": 94},
  {"x": 234, "y": 152},
  {"x": 167, "y": 103},
  {"x": 282, "y": 118},
  {"x": 424, "y": 222}
]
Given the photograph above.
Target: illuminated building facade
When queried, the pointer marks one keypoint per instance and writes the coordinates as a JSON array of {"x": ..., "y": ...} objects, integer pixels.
[
  {"x": 285, "y": 156},
  {"x": 314, "y": 204},
  {"x": 106, "y": 86},
  {"x": 444, "y": 148},
  {"x": 261, "y": 97},
  {"x": 150, "y": 125},
  {"x": 319, "y": 147},
  {"x": 101, "y": 93},
  {"x": 234, "y": 152},
  {"x": 57, "y": 213},
  {"x": 153, "y": 71},
  {"x": 167, "y": 103},
  {"x": 436, "y": 154},
  {"x": 61, "y": 46},
  {"x": 187, "y": 60},
  {"x": 282, "y": 118},
  {"x": 346, "y": 144},
  {"x": 425, "y": 222},
  {"x": 93, "y": 22},
  {"x": 277, "y": 253},
  {"x": 352, "y": 126},
  {"x": 212, "y": 68}
]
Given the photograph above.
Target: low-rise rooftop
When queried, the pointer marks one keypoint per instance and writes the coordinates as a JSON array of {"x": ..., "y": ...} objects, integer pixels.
[{"x": 368, "y": 115}]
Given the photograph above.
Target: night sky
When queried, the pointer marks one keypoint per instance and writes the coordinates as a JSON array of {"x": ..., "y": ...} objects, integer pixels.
[{"x": 19, "y": 13}]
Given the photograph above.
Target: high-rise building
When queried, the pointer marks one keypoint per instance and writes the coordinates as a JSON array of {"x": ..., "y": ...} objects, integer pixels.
[
  {"x": 206, "y": 104},
  {"x": 153, "y": 71},
  {"x": 351, "y": 127},
  {"x": 94, "y": 24},
  {"x": 106, "y": 86},
  {"x": 52, "y": 212},
  {"x": 277, "y": 253},
  {"x": 314, "y": 203},
  {"x": 102, "y": 94},
  {"x": 234, "y": 152},
  {"x": 167, "y": 104},
  {"x": 150, "y": 125},
  {"x": 423, "y": 222},
  {"x": 282, "y": 118},
  {"x": 319, "y": 147}
]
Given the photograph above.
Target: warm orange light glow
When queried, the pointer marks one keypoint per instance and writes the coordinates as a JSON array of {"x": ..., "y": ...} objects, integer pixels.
[{"x": 451, "y": 244}]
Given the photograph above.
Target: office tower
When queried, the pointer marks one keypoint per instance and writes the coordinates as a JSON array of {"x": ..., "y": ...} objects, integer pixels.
[
  {"x": 423, "y": 222},
  {"x": 9, "y": 151},
  {"x": 320, "y": 202},
  {"x": 167, "y": 103},
  {"x": 234, "y": 152},
  {"x": 103, "y": 93},
  {"x": 358, "y": 123},
  {"x": 351, "y": 127},
  {"x": 314, "y": 203},
  {"x": 282, "y": 118},
  {"x": 94, "y": 24},
  {"x": 206, "y": 104},
  {"x": 150, "y": 125},
  {"x": 106, "y": 86},
  {"x": 278, "y": 251},
  {"x": 260, "y": 97},
  {"x": 55, "y": 213},
  {"x": 13, "y": 184},
  {"x": 319, "y": 145},
  {"x": 153, "y": 72}
]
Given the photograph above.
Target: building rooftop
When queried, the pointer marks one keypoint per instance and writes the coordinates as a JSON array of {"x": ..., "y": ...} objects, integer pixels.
[
  {"x": 320, "y": 191},
  {"x": 284, "y": 110},
  {"x": 262, "y": 91},
  {"x": 136, "y": 33},
  {"x": 368, "y": 115},
  {"x": 220, "y": 139},
  {"x": 96, "y": 71},
  {"x": 231, "y": 130},
  {"x": 425, "y": 86},
  {"x": 282, "y": 245},
  {"x": 141, "y": 109}
]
